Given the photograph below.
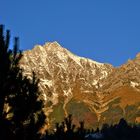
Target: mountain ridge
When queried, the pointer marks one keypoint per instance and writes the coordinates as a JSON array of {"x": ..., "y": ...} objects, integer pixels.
[{"x": 73, "y": 85}]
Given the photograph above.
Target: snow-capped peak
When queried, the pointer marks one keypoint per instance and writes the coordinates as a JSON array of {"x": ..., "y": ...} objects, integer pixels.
[
  {"x": 63, "y": 53},
  {"x": 53, "y": 46}
]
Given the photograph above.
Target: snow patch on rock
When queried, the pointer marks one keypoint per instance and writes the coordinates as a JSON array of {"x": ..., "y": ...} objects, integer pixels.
[
  {"x": 46, "y": 82},
  {"x": 134, "y": 84},
  {"x": 67, "y": 93}
]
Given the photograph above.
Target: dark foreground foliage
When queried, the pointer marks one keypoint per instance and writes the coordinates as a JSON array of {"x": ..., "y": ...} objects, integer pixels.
[
  {"x": 121, "y": 131},
  {"x": 21, "y": 114}
]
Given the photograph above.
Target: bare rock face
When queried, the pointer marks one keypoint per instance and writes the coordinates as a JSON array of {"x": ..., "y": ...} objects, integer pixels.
[{"x": 94, "y": 92}]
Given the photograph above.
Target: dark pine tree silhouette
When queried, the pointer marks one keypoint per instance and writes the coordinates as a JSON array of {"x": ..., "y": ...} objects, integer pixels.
[
  {"x": 21, "y": 115},
  {"x": 68, "y": 131}
]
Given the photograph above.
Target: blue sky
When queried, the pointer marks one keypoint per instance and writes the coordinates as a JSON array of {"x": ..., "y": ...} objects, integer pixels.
[{"x": 103, "y": 30}]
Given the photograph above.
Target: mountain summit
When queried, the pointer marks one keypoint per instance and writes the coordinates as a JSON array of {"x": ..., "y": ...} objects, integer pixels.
[{"x": 94, "y": 92}]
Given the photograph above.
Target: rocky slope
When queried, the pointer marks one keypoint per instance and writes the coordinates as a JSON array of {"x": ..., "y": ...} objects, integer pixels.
[{"x": 94, "y": 92}]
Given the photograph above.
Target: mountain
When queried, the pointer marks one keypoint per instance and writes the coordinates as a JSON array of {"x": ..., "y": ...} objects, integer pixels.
[{"x": 94, "y": 92}]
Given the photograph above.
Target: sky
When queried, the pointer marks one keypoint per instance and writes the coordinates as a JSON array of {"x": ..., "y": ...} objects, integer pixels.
[{"x": 106, "y": 31}]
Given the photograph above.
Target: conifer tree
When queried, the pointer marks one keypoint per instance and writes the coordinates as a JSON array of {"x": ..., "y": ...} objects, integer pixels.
[{"x": 21, "y": 115}]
